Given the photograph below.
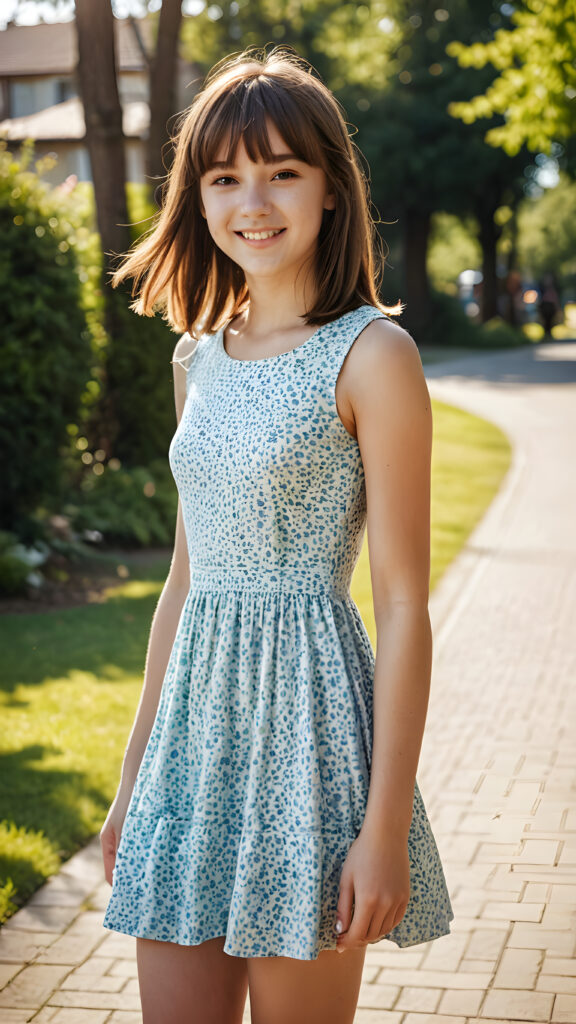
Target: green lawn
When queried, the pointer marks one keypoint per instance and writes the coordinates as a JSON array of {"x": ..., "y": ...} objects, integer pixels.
[{"x": 71, "y": 678}]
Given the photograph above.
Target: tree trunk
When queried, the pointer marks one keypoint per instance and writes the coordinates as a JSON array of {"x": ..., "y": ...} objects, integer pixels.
[
  {"x": 103, "y": 115},
  {"x": 417, "y": 286},
  {"x": 489, "y": 235},
  {"x": 163, "y": 101},
  {"x": 105, "y": 140}
]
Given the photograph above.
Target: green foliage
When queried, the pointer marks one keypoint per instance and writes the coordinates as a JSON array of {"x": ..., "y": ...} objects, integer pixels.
[
  {"x": 536, "y": 86},
  {"x": 451, "y": 326},
  {"x": 14, "y": 570},
  {"x": 45, "y": 353},
  {"x": 453, "y": 247},
  {"x": 135, "y": 507},
  {"x": 547, "y": 231}
]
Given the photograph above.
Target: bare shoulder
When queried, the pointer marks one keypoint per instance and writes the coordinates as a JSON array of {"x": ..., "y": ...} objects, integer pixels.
[
  {"x": 383, "y": 359},
  {"x": 383, "y": 344}
]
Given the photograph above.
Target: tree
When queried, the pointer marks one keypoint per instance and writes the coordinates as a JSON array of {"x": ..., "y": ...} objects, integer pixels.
[
  {"x": 536, "y": 87},
  {"x": 103, "y": 117},
  {"x": 162, "y": 67}
]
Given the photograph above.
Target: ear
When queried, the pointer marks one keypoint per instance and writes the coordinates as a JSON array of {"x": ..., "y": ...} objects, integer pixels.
[{"x": 330, "y": 201}]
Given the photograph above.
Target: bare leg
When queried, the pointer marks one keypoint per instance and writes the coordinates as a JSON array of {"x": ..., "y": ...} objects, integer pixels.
[
  {"x": 190, "y": 984},
  {"x": 321, "y": 991}
]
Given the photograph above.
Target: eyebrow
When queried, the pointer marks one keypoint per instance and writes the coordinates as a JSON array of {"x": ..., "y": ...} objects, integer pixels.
[{"x": 275, "y": 158}]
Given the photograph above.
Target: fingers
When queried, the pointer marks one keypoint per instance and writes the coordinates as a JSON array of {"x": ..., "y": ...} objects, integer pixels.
[
  {"x": 345, "y": 906},
  {"x": 108, "y": 845},
  {"x": 369, "y": 925}
]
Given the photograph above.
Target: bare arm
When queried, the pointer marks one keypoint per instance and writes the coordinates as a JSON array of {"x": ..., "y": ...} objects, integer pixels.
[
  {"x": 393, "y": 417},
  {"x": 160, "y": 643},
  {"x": 387, "y": 393}
]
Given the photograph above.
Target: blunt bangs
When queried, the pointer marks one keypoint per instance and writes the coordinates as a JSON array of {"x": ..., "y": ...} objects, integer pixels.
[{"x": 243, "y": 113}]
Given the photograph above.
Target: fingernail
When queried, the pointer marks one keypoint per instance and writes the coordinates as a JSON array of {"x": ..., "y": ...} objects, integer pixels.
[
  {"x": 338, "y": 926},
  {"x": 340, "y": 949}
]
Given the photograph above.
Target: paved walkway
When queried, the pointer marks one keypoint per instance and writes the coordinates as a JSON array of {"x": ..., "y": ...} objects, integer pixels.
[{"x": 497, "y": 772}]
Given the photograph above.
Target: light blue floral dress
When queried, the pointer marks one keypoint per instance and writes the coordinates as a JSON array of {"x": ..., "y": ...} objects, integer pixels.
[{"x": 255, "y": 778}]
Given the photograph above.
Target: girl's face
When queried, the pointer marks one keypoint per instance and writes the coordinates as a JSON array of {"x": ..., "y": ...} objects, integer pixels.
[{"x": 265, "y": 216}]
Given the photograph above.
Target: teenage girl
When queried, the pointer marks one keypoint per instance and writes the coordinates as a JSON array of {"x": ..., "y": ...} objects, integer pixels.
[{"x": 268, "y": 817}]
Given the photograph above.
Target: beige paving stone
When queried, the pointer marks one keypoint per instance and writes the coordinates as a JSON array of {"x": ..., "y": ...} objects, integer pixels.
[
  {"x": 117, "y": 946},
  {"x": 564, "y": 894},
  {"x": 446, "y": 953},
  {"x": 564, "y": 1009},
  {"x": 437, "y": 979},
  {"x": 15, "y": 1016},
  {"x": 69, "y": 949},
  {"x": 559, "y": 965},
  {"x": 127, "y": 968},
  {"x": 31, "y": 987},
  {"x": 418, "y": 999},
  {"x": 94, "y": 983},
  {"x": 502, "y": 877},
  {"x": 538, "y": 851},
  {"x": 7, "y": 972},
  {"x": 375, "y": 996},
  {"x": 45, "y": 919},
  {"x": 520, "y": 1005},
  {"x": 530, "y": 936},
  {"x": 556, "y": 983},
  {"x": 432, "y": 1018},
  {"x": 72, "y": 1016},
  {"x": 375, "y": 1017},
  {"x": 537, "y": 892},
  {"x": 518, "y": 968},
  {"x": 466, "y": 1002},
  {"x": 96, "y": 966},
  {"x": 514, "y": 911},
  {"x": 478, "y": 966},
  {"x": 20, "y": 947},
  {"x": 559, "y": 916},
  {"x": 132, "y": 985},
  {"x": 486, "y": 944},
  {"x": 128, "y": 1017},
  {"x": 95, "y": 1000},
  {"x": 497, "y": 853}
]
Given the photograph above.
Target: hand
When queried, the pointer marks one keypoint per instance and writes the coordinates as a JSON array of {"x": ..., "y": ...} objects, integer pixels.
[
  {"x": 110, "y": 833},
  {"x": 374, "y": 889}
]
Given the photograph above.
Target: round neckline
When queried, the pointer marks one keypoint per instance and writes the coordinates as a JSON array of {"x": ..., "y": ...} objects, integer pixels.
[
  {"x": 268, "y": 359},
  {"x": 290, "y": 351}
]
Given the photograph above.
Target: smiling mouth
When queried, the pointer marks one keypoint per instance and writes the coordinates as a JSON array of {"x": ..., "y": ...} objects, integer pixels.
[{"x": 257, "y": 236}]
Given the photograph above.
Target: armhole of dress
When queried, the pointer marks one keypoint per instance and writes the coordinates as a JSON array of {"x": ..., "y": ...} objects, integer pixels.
[
  {"x": 371, "y": 313},
  {"x": 187, "y": 360}
]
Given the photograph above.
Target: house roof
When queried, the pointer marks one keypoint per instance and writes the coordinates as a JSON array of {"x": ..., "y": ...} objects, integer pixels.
[
  {"x": 64, "y": 122},
  {"x": 51, "y": 48}
]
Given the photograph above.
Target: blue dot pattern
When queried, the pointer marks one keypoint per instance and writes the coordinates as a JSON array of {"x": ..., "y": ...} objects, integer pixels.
[{"x": 255, "y": 778}]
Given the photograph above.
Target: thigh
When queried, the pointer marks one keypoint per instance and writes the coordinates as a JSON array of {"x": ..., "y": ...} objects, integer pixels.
[
  {"x": 190, "y": 984},
  {"x": 284, "y": 990}
]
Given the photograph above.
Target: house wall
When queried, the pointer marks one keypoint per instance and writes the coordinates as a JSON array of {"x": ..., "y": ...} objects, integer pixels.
[
  {"x": 72, "y": 158},
  {"x": 29, "y": 95}
]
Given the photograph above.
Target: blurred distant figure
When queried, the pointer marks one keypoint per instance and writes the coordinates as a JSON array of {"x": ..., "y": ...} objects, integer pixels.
[{"x": 549, "y": 303}]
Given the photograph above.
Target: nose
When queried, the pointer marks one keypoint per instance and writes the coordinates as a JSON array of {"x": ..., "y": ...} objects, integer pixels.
[{"x": 255, "y": 201}]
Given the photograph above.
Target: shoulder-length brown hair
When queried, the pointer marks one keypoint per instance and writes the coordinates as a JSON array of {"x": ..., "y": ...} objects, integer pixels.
[{"x": 177, "y": 267}]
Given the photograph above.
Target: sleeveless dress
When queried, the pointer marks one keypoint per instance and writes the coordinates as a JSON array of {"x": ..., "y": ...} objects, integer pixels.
[{"x": 255, "y": 778}]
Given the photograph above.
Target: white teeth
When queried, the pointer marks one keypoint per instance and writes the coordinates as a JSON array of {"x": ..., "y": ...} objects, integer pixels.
[{"x": 257, "y": 235}]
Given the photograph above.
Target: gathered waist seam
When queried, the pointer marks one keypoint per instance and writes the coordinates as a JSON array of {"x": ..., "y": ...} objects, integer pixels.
[{"x": 264, "y": 581}]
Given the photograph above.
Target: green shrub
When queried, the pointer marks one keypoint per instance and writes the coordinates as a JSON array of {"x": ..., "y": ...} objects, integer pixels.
[
  {"x": 134, "y": 507},
  {"x": 497, "y": 333},
  {"x": 45, "y": 351}
]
